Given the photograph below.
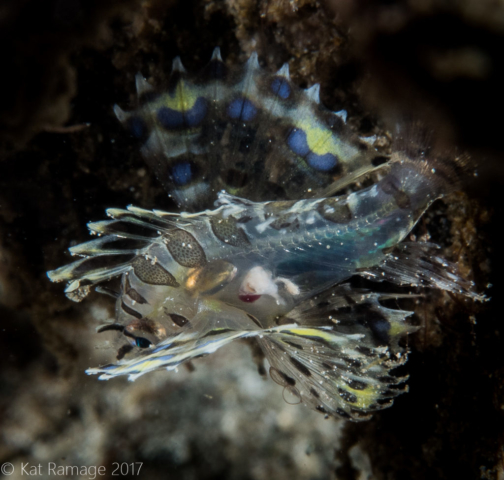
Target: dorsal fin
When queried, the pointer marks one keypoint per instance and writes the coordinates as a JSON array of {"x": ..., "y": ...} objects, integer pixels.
[{"x": 247, "y": 131}]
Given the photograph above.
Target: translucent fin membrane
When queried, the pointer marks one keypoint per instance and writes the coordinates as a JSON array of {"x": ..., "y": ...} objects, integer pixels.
[
  {"x": 316, "y": 370},
  {"x": 127, "y": 236},
  {"x": 270, "y": 261},
  {"x": 421, "y": 265},
  {"x": 245, "y": 130}
]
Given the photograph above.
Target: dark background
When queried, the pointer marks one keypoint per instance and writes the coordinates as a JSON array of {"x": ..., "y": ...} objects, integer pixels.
[{"x": 66, "y": 62}]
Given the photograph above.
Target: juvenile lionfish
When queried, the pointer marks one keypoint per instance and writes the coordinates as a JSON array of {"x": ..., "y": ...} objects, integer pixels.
[{"x": 274, "y": 257}]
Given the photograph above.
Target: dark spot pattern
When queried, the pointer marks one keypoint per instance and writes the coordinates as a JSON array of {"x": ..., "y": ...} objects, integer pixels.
[
  {"x": 171, "y": 119},
  {"x": 281, "y": 378},
  {"x": 227, "y": 231},
  {"x": 328, "y": 366},
  {"x": 286, "y": 221},
  {"x": 375, "y": 321},
  {"x": 182, "y": 173},
  {"x": 185, "y": 249},
  {"x": 130, "y": 311},
  {"x": 368, "y": 352},
  {"x": 153, "y": 273},
  {"x": 111, "y": 326},
  {"x": 355, "y": 384},
  {"x": 323, "y": 163},
  {"x": 300, "y": 367},
  {"x": 294, "y": 345},
  {"x": 389, "y": 379},
  {"x": 217, "y": 331},
  {"x": 179, "y": 320},
  {"x": 132, "y": 293},
  {"x": 242, "y": 109},
  {"x": 335, "y": 211},
  {"x": 352, "y": 362},
  {"x": 298, "y": 143},
  {"x": 124, "y": 350},
  {"x": 381, "y": 329},
  {"x": 342, "y": 413},
  {"x": 145, "y": 325},
  {"x": 347, "y": 396},
  {"x": 280, "y": 87},
  {"x": 197, "y": 113}
]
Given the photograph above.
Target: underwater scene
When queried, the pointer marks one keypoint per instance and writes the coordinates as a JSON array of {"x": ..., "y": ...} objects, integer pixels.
[{"x": 251, "y": 240}]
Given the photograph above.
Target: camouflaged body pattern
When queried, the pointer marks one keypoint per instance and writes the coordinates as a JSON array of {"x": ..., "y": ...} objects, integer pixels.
[{"x": 264, "y": 264}]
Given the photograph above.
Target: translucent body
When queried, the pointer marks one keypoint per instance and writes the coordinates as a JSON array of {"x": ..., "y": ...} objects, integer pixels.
[{"x": 273, "y": 269}]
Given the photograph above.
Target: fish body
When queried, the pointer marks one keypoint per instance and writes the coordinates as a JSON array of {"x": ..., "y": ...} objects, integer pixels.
[{"x": 270, "y": 269}]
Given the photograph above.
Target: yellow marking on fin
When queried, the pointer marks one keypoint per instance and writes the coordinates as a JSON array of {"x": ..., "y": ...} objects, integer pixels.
[
  {"x": 366, "y": 397},
  {"x": 321, "y": 140},
  {"x": 312, "y": 333},
  {"x": 400, "y": 328},
  {"x": 183, "y": 99}
]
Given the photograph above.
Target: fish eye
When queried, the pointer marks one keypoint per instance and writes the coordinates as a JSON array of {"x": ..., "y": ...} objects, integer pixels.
[{"x": 142, "y": 342}]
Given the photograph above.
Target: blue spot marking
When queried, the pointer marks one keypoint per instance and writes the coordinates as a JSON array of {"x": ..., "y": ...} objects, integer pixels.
[
  {"x": 281, "y": 87},
  {"x": 381, "y": 328},
  {"x": 173, "y": 119},
  {"x": 297, "y": 142},
  {"x": 169, "y": 118},
  {"x": 242, "y": 109},
  {"x": 197, "y": 113},
  {"x": 182, "y": 173},
  {"x": 323, "y": 163},
  {"x": 137, "y": 127}
]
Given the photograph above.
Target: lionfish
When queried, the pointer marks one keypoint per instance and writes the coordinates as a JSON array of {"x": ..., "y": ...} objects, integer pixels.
[{"x": 280, "y": 223}]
